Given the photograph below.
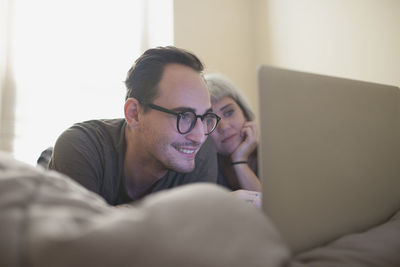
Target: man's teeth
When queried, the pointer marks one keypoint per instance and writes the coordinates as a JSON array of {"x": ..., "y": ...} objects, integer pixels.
[{"x": 186, "y": 151}]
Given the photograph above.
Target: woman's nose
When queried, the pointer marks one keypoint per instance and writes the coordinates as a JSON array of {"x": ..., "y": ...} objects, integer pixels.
[{"x": 222, "y": 125}]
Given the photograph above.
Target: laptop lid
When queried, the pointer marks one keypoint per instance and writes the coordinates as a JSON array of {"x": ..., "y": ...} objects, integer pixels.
[{"x": 329, "y": 154}]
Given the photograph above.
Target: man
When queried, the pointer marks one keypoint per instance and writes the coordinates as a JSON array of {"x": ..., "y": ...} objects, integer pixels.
[{"x": 157, "y": 145}]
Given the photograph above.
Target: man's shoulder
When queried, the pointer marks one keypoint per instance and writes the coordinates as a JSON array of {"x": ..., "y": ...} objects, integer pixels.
[
  {"x": 97, "y": 128},
  {"x": 100, "y": 124},
  {"x": 98, "y": 133},
  {"x": 91, "y": 152}
]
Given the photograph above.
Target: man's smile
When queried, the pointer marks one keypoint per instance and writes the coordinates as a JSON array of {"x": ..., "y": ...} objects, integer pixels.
[{"x": 189, "y": 150}]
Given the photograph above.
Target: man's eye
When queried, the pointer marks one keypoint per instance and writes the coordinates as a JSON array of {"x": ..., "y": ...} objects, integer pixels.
[{"x": 187, "y": 116}]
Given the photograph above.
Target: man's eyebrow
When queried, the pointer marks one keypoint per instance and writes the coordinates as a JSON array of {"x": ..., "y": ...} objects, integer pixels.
[{"x": 184, "y": 109}]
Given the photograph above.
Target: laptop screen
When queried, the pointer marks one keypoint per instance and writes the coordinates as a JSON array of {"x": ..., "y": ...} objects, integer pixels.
[{"x": 329, "y": 154}]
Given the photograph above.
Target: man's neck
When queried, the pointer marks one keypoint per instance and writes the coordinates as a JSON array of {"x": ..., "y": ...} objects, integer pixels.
[{"x": 141, "y": 170}]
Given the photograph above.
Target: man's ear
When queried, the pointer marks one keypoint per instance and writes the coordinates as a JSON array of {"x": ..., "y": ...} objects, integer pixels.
[{"x": 132, "y": 108}]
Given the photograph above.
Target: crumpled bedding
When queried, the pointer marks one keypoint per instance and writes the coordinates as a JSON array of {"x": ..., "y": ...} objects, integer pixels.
[
  {"x": 377, "y": 247},
  {"x": 49, "y": 220}
]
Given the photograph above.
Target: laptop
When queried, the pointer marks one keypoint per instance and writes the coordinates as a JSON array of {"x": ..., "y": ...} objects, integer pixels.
[{"x": 329, "y": 154}]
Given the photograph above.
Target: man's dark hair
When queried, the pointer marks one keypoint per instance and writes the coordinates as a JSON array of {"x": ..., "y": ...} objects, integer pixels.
[{"x": 145, "y": 74}]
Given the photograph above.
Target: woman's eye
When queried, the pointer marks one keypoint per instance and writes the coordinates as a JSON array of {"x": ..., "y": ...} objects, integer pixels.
[{"x": 228, "y": 113}]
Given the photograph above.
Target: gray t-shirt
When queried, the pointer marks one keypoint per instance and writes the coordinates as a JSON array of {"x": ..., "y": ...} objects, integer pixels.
[{"x": 93, "y": 152}]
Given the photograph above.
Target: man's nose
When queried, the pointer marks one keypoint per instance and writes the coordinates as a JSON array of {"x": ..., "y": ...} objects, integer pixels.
[{"x": 198, "y": 133}]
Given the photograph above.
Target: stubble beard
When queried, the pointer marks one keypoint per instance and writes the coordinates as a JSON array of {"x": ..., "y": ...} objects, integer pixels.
[
  {"x": 177, "y": 163},
  {"x": 167, "y": 157}
]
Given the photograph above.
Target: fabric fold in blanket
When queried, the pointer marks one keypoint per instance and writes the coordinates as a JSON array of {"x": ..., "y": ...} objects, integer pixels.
[{"x": 48, "y": 219}]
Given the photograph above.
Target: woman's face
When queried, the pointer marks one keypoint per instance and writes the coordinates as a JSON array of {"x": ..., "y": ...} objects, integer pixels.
[{"x": 227, "y": 135}]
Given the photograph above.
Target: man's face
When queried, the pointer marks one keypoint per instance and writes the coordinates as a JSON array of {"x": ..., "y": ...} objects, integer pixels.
[{"x": 181, "y": 88}]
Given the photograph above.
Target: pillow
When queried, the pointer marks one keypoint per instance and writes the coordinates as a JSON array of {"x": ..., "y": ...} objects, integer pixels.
[
  {"x": 377, "y": 247},
  {"x": 49, "y": 220}
]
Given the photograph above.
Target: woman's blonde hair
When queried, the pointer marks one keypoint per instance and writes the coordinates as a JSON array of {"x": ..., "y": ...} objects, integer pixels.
[{"x": 220, "y": 86}]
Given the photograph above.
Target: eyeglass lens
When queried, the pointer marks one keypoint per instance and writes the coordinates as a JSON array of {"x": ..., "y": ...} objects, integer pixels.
[{"x": 187, "y": 121}]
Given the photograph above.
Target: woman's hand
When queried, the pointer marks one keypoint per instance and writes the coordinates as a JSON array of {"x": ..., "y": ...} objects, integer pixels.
[
  {"x": 249, "y": 143},
  {"x": 252, "y": 197}
]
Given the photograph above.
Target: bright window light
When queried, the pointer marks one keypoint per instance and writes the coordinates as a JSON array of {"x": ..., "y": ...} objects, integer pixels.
[{"x": 71, "y": 58}]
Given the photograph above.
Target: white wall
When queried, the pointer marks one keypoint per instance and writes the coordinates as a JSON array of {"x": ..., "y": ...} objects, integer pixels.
[
  {"x": 221, "y": 33},
  {"x": 358, "y": 39}
]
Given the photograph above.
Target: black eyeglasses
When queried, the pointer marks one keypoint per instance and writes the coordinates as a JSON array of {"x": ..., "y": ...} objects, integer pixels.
[{"x": 186, "y": 120}]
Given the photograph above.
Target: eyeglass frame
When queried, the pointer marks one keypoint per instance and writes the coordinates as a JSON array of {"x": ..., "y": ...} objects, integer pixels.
[{"x": 179, "y": 114}]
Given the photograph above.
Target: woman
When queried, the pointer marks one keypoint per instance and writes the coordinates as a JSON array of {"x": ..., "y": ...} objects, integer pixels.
[{"x": 235, "y": 136}]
